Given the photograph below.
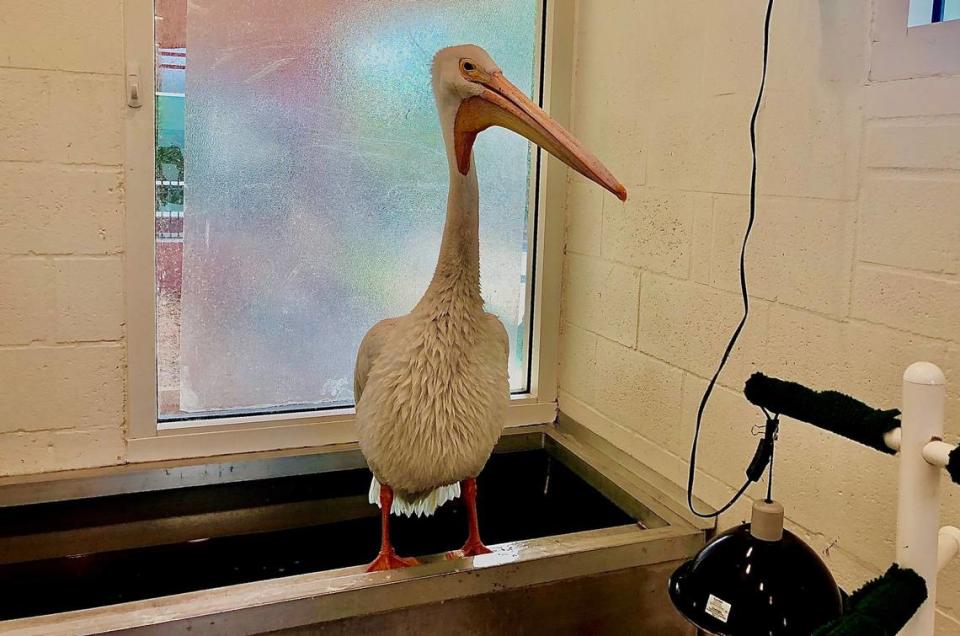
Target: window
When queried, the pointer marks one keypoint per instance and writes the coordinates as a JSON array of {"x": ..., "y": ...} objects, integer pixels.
[
  {"x": 932, "y": 11},
  {"x": 906, "y": 43},
  {"x": 300, "y": 188}
]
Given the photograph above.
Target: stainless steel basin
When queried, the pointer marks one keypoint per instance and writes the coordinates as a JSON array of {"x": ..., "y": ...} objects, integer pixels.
[{"x": 583, "y": 543}]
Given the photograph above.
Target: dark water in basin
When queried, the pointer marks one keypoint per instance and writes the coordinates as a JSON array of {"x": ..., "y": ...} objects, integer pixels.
[{"x": 522, "y": 495}]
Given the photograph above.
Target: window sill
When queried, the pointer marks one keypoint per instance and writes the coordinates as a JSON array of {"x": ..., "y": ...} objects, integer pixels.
[{"x": 285, "y": 431}]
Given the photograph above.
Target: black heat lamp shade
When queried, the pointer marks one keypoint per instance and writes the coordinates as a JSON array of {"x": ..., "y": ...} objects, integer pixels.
[{"x": 739, "y": 585}]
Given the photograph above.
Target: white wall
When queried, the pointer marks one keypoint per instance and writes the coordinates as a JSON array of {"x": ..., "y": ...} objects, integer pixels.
[
  {"x": 61, "y": 235},
  {"x": 853, "y": 265}
]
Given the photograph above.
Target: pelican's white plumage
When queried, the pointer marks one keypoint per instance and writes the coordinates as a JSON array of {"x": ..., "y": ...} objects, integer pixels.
[
  {"x": 433, "y": 397},
  {"x": 431, "y": 386}
]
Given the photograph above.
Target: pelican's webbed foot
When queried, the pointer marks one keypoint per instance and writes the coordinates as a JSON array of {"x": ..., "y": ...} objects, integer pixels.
[{"x": 390, "y": 561}]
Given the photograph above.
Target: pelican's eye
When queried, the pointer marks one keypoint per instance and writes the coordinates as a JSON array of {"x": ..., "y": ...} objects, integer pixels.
[{"x": 469, "y": 69}]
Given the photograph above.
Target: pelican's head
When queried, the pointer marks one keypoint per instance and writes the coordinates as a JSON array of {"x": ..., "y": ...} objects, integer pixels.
[{"x": 466, "y": 78}]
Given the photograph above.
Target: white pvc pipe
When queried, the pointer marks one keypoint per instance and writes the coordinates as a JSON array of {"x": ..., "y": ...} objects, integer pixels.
[
  {"x": 918, "y": 503},
  {"x": 892, "y": 439},
  {"x": 937, "y": 453},
  {"x": 948, "y": 546}
]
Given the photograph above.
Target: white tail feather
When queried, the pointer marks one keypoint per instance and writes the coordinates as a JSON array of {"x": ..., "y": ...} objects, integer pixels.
[{"x": 423, "y": 507}]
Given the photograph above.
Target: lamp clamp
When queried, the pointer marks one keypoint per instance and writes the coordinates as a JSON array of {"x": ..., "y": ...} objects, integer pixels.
[{"x": 764, "y": 453}]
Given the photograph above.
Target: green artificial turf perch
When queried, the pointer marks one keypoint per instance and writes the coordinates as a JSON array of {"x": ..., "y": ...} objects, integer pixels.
[
  {"x": 830, "y": 410},
  {"x": 881, "y": 607}
]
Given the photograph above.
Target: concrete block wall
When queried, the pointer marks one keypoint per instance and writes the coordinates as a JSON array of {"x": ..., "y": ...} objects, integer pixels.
[
  {"x": 854, "y": 264},
  {"x": 62, "y": 355}
]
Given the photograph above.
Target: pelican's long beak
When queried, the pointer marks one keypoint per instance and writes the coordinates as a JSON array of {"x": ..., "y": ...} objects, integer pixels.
[{"x": 503, "y": 104}]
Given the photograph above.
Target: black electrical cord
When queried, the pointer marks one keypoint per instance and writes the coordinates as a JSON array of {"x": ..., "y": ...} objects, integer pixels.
[
  {"x": 743, "y": 290},
  {"x": 770, "y": 479}
]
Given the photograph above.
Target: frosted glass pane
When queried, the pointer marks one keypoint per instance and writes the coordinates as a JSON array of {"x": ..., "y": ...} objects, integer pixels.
[
  {"x": 315, "y": 187},
  {"x": 951, "y": 10}
]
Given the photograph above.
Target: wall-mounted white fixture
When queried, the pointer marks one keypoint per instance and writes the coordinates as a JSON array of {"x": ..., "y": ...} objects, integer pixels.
[
  {"x": 948, "y": 545},
  {"x": 921, "y": 545}
]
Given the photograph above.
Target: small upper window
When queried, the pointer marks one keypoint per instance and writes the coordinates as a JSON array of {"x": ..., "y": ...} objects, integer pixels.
[
  {"x": 931, "y": 11},
  {"x": 301, "y": 188}
]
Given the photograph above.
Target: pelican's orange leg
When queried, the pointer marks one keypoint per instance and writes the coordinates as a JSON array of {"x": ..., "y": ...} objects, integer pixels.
[
  {"x": 474, "y": 545},
  {"x": 387, "y": 559}
]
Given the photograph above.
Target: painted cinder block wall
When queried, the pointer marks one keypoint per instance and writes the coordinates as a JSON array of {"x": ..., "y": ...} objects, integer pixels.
[
  {"x": 61, "y": 235},
  {"x": 853, "y": 265}
]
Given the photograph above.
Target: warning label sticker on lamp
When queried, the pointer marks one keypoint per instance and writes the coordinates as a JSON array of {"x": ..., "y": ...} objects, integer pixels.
[{"x": 718, "y": 608}]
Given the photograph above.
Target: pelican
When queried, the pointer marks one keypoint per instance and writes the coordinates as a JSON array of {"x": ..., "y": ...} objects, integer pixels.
[{"x": 431, "y": 386}]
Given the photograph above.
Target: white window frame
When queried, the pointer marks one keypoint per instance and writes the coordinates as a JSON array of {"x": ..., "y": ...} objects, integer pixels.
[{"x": 149, "y": 440}]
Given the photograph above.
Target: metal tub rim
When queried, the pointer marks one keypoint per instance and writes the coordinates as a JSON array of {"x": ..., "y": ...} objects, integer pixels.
[{"x": 304, "y": 599}]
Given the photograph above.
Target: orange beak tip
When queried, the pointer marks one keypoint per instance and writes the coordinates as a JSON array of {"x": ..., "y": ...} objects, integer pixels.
[{"x": 621, "y": 194}]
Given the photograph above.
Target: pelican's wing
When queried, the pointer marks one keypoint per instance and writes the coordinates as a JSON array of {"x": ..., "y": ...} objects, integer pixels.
[
  {"x": 368, "y": 352},
  {"x": 500, "y": 332}
]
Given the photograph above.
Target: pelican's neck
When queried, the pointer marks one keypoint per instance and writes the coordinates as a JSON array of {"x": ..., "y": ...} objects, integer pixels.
[{"x": 456, "y": 278}]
